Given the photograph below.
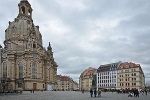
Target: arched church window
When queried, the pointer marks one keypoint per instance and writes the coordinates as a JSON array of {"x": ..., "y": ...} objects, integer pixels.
[
  {"x": 4, "y": 69},
  {"x": 23, "y": 9},
  {"x": 29, "y": 12},
  {"x": 34, "y": 69},
  {"x": 20, "y": 70},
  {"x": 34, "y": 45}
]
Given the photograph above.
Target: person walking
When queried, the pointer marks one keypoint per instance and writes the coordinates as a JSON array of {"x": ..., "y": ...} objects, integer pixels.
[
  {"x": 95, "y": 92},
  {"x": 99, "y": 93},
  {"x": 91, "y": 92}
]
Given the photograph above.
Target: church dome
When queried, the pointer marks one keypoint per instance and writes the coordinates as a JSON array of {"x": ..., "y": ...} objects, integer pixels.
[{"x": 23, "y": 27}]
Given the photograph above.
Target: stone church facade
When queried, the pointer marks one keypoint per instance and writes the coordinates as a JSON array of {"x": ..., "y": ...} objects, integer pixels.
[{"x": 25, "y": 63}]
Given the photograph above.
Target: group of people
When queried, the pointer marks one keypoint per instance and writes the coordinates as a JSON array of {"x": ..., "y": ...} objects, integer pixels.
[
  {"x": 95, "y": 93},
  {"x": 32, "y": 91},
  {"x": 142, "y": 91},
  {"x": 136, "y": 93}
]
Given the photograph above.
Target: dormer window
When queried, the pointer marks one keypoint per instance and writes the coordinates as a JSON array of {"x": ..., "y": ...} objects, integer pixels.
[{"x": 127, "y": 66}]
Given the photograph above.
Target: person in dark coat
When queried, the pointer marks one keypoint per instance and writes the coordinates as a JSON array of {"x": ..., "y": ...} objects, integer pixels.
[
  {"x": 95, "y": 92},
  {"x": 91, "y": 92},
  {"x": 137, "y": 93},
  {"x": 82, "y": 91},
  {"x": 145, "y": 92}
]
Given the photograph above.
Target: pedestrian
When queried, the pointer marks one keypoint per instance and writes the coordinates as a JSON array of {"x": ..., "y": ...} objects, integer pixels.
[
  {"x": 99, "y": 93},
  {"x": 95, "y": 92},
  {"x": 82, "y": 91},
  {"x": 142, "y": 92},
  {"x": 137, "y": 93},
  {"x": 33, "y": 90},
  {"x": 91, "y": 92},
  {"x": 145, "y": 92}
]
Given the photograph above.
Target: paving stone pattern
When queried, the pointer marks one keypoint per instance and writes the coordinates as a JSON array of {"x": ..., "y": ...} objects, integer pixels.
[{"x": 69, "y": 95}]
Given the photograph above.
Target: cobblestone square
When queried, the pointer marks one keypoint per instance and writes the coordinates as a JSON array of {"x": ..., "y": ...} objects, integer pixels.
[{"x": 69, "y": 95}]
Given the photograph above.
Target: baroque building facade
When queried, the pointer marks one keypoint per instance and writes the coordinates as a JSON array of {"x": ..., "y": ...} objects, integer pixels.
[
  {"x": 25, "y": 63},
  {"x": 85, "y": 79}
]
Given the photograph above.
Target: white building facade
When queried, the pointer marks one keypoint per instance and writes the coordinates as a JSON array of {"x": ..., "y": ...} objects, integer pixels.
[{"x": 107, "y": 76}]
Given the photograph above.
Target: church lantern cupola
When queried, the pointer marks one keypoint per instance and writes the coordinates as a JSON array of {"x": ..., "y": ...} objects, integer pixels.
[{"x": 25, "y": 10}]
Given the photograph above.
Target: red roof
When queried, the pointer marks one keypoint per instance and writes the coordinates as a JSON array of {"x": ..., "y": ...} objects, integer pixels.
[{"x": 128, "y": 65}]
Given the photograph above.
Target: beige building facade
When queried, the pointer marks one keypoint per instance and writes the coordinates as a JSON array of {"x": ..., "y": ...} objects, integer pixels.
[
  {"x": 25, "y": 63},
  {"x": 85, "y": 79},
  {"x": 66, "y": 83},
  {"x": 130, "y": 76}
]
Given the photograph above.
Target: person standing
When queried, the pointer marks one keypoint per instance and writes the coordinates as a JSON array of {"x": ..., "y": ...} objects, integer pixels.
[
  {"x": 145, "y": 92},
  {"x": 95, "y": 92},
  {"x": 91, "y": 92},
  {"x": 82, "y": 91},
  {"x": 31, "y": 90}
]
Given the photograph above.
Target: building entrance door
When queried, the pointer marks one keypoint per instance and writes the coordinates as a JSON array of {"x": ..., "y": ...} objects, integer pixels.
[{"x": 34, "y": 86}]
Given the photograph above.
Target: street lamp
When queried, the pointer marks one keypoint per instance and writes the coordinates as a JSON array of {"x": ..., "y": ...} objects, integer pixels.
[{"x": 0, "y": 62}]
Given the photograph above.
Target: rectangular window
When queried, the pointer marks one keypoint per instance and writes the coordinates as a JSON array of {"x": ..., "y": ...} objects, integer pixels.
[
  {"x": 135, "y": 70},
  {"x": 4, "y": 55},
  {"x": 5, "y": 74},
  {"x": 34, "y": 55},
  {"x": 135, "y": 79},
  {"x": 20, "y": 75},
  {"x": 9, "y": 45},
  {"x": 134, "y": 84},
  {"x": 34, "y": 75},
  {"x": 19, "y": 85}
]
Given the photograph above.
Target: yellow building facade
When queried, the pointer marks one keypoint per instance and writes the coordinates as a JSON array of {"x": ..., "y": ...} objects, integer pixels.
[
  {"x": 130, "y": 76},
  {"x": 85, "y": 79},
  {"x": 25, "y": 63}
]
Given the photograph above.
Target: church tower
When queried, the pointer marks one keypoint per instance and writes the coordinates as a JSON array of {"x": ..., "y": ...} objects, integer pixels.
[{"x": 25, "y": 62}]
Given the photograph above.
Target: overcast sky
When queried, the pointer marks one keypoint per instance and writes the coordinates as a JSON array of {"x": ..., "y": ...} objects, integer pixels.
[{"x": 89, "y": 33}]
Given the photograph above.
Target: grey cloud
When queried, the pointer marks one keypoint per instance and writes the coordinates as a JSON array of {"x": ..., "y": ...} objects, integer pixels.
[{"x": 75, "y": 50}]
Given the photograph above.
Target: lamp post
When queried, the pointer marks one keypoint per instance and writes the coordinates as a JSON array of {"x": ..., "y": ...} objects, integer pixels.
[{"x": 0, "y": 62}]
